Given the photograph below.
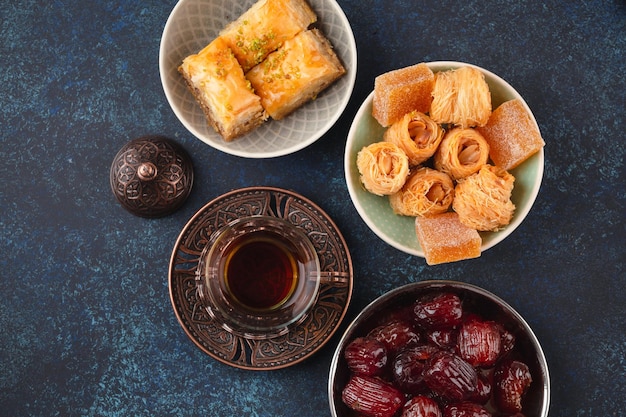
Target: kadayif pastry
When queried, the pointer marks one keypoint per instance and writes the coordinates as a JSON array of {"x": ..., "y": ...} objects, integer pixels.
[
  {"x": 444, "y": 238},
  {"x": 218, "y": 84},
  {"x": 461, "y": 152},
  {"x": 483, "y": 200},
  {"x": 426, "y": 192},
  {"x": 401, "y": 91},
  {"x": 264, "y": 27},
  {"x": 417, "y": 135},
  {"x": 295, "y": 73},
  {"x": 461, "y": 97},
  {"x": 383, "y": 167},
  {"x": 511, "y": 134}
]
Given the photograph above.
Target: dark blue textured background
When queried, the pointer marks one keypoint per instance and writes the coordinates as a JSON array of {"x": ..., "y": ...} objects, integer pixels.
[{"x": 86, "y": 325}]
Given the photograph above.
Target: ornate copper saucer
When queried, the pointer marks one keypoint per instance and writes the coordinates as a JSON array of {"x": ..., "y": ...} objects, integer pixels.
[{"x": 309, "y": 336}]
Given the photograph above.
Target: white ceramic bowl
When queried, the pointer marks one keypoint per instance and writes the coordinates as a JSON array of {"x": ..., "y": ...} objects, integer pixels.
[
  {"x": 194, "y": 23},
  {"x": 399, "y": 231},
  {"x": 476, "y": 300}
]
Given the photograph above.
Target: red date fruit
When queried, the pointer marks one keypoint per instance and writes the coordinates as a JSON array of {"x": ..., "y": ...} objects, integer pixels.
[
  {"x": 465, "y": 409},
  {"x": 401, "y": 313},
  {"x": 408, "y": 366},
  {"x": 421, "y": 406},
  {"x": 449, "y": 361},
  {"x": 372, "y": 397},
  {"x": 366, "y": 356},
  {"x": 450, "y": 377},
  {"x": 442, "y": 310},
  {"x": 396, "y": 335},
  {"x": 479, "y": 343},
  {"x": 483, "y": 390},
  {"x": 443, "y": 338},
  {"x": 511, "y": 381},
  {"x": 507, "y": 340}
]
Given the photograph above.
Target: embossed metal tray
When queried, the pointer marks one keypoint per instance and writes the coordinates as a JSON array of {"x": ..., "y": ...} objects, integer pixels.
[{"x": 277, "y": 352}]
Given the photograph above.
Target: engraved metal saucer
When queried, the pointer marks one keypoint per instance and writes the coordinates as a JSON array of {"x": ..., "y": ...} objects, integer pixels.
[{"x": 275, "y": 352}]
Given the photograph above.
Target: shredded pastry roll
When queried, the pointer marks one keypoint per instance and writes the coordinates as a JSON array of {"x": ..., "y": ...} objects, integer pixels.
[
  {"x": 426, "y": 192},
  {"x": 462, "y": 152},
  {"x": 461, "y": 97},
  {"x": 483, "y": 200},
  {"x": 417, "y": 135},
  {"x": 383, "y": 166}
]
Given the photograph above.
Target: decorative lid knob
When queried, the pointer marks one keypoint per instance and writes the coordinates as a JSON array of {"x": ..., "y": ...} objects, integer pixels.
[
  {"x": 151, "y": 176},
  {"x": 147, "y": 171}
]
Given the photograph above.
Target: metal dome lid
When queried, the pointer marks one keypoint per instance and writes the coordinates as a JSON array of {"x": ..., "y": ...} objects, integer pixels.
[{"x": 151, "y": 176}]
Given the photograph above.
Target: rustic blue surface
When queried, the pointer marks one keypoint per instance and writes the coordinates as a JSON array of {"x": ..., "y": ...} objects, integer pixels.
[{"x": 87, "y": 328}]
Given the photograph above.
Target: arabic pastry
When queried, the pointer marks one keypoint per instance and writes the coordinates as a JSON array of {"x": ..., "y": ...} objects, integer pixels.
[
  {"x": 426, "y": 192},
  {"x": 383, "y": 167},
  {"x": 511, "y": 134},
  {"x": 296, "y": 73},
  {"x": 218, "y": 84},
  {"x": 461, "y": 97},
  {"x": 483, "y": 200},
  {"x": 444, "y": 238},
  {"x": 264, "y": 27},
  {"x": 417, "y": 135},
  {"x": 401, "y": 91},
  {"x": 461, "y": 153}
]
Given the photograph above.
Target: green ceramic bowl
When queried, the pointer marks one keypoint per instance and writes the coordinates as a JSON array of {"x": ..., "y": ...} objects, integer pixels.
[{"x": 399, "y": 231}]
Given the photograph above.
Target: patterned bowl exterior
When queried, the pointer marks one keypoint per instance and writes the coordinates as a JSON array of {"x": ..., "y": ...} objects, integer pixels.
[{"x": 194, "y": 23}]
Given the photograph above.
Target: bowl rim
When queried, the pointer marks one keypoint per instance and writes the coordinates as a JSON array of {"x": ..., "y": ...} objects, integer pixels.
[
  {"x": 222, "y": 145},
  {"x": 434, "y": 284},
  {"x": 520, "y": 215}
]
